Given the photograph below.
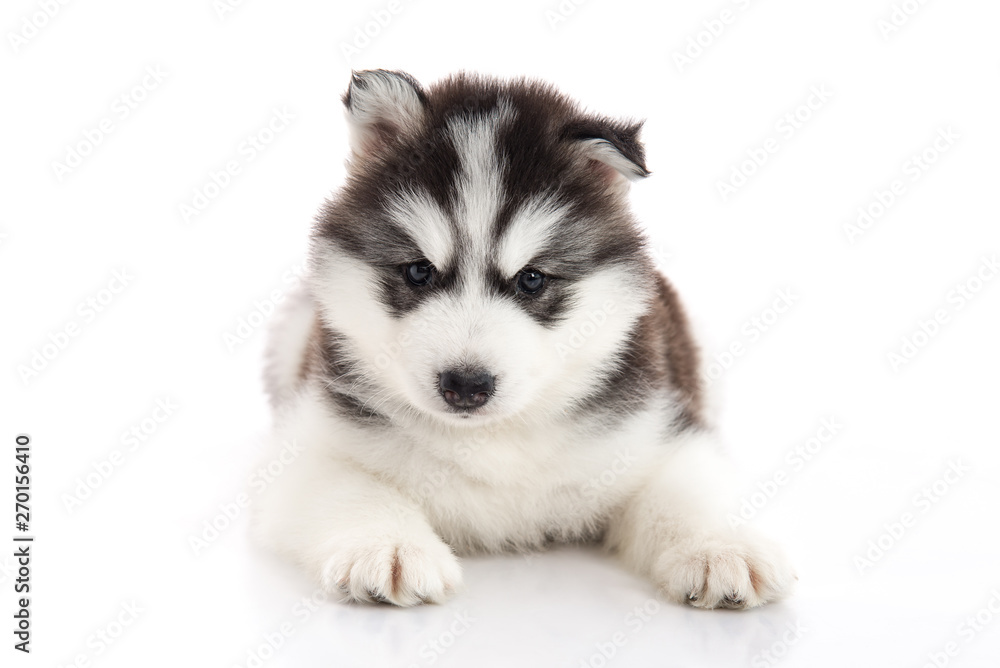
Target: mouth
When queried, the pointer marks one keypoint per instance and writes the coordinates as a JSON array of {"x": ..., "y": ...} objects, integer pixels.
[
  {"x": 464, "y": 413},
  {"x": 472, "y": 416}
]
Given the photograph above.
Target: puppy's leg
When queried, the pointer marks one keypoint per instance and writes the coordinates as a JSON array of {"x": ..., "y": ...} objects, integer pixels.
[
  {"x": 673, "y": 530},
  {"x": 359, "y": 537}
]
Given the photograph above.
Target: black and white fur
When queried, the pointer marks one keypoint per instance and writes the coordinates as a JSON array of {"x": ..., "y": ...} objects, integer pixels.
[{"x": 593, "y": 427}]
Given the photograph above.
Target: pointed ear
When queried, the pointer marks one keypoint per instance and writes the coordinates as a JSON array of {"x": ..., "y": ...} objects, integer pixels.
[
  {"x": 382, "y": 105},
  {"x": 612, "y": 147}
]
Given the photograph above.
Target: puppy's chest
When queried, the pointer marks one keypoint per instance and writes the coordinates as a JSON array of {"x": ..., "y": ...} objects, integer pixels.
[{"x": 515, "y": 487}]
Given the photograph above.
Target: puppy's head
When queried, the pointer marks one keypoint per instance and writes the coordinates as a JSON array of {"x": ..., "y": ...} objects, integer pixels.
[{"x": 480, "y": 263}]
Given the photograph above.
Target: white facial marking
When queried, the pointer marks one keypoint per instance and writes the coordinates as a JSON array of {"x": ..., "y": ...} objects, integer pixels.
[
  {"x": 347, "y": 294},
  {"x": 478, "y": 185},
  {"x": 429, "y": 225},
  {"x": 529, "y": 232}
]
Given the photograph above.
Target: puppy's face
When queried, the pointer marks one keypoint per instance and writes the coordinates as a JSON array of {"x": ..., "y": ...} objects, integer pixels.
[{"x": 480, "y": 263}]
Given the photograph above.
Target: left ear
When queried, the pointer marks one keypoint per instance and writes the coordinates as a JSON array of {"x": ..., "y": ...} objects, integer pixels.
[
  {"x": 381, "y": 106},
  {"x": 613, "y": 146}
]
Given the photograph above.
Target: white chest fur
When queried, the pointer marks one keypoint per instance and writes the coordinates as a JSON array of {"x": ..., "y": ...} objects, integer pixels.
[{"x": 512, "y": 487}]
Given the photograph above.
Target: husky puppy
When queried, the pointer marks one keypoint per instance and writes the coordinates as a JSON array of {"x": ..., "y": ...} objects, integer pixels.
[{"x": 483, "y": 358}]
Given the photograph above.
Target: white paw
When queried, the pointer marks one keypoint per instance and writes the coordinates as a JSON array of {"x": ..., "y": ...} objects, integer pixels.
[
  {"x": 736, "y": 571},
  {"x": 404, "y": 572}
]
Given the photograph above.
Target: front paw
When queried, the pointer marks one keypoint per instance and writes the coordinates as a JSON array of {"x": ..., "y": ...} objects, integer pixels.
[
  {"x": 404, "y": 571},
  {"x": 737, "y": 571}
]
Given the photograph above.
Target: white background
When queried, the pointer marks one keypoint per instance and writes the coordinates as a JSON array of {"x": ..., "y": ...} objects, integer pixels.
[{"x": 163, "y": 337}]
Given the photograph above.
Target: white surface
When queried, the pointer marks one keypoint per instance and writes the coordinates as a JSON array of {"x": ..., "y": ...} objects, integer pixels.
[{"x": 163, "y": 336}]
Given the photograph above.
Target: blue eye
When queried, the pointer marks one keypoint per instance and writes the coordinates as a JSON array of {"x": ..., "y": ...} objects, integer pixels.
[
  {"x": 530, "y": 281},
  {"x": 419, "y": 273}
]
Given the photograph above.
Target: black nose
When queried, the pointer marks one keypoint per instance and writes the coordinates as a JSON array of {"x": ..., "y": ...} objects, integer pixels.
[{"x": 463, "y": 389}]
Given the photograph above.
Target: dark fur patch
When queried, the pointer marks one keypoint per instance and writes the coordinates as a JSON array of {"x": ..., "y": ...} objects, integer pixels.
[
  {"x": 400, "y": 296},
  {"x": 346, "y": 392},
  {"x": 396, "y": 573},
  {"x": 683, "y": 358},
  {"x": 659, "y": 353},
  {"x": 547, "y": 307}
]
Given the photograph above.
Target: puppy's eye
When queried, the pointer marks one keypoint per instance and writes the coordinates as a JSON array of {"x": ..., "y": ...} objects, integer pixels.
[
  {"x": 530, "y": 281},
  {"x": 419, "y": 273}
]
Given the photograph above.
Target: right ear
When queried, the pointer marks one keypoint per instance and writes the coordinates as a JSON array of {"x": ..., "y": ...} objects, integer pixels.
[
  {"x": 382, "y": 105},
  {"x": 613, "y": 148}
]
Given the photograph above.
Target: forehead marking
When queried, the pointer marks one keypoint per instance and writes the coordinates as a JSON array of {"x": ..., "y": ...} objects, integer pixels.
[
  {"x": 530, "y": 231},
  {"x": 428, "y": 224},
  {"x": 478, "y": 195}
]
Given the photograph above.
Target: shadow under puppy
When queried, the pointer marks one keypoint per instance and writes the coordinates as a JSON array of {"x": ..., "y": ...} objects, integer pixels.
[{"x": 483, "y": 357}]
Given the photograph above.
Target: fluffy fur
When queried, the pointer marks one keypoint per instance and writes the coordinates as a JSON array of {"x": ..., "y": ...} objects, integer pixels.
[{"x": 592, "y": 426}]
